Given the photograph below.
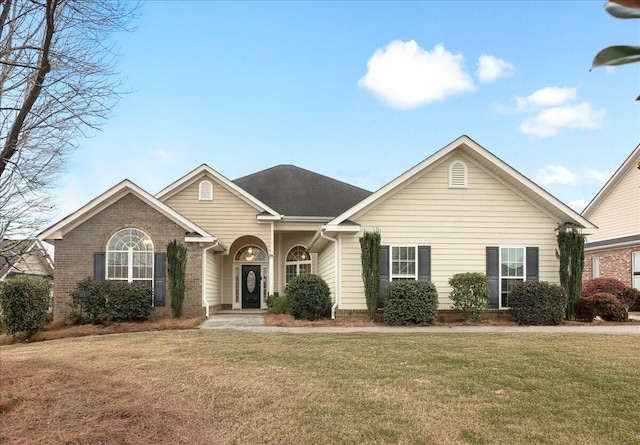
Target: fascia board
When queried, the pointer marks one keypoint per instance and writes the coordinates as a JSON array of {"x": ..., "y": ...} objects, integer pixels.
[
  {"x": 186, "y": 180},
  {"x": 101, "y": 202},
  {"x": 631, "y": 161}
]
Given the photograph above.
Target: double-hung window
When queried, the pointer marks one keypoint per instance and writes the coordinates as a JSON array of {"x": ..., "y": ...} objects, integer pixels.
[
  {"x": 403, "y": 263},
  {"x": 512, "y": 271}
]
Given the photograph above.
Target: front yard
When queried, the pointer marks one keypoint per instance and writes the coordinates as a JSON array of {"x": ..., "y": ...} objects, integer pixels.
[{"x": 224, "y": 387}]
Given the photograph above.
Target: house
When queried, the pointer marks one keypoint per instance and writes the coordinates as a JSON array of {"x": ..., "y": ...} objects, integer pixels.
[
  {"x": 614, "y": 250},
  {"x": 460, "y": 210},
  {"x": 24, "y": 257}
]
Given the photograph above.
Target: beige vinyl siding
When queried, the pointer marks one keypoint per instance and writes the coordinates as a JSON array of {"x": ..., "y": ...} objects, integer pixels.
[
  {"x": 619, "y": 212},
  {"x": 226, "y": 217},
  {"x": 457, "y": 223},
  {"x": 213, "y": 277},
  {"x": 32, "y": 263},
  {"x": 326, "y": 267}
]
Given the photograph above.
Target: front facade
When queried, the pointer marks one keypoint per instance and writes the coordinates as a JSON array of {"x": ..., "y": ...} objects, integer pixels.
[
  {"x": 460, "y": 210},
  {"x": 614, "y": 250}
]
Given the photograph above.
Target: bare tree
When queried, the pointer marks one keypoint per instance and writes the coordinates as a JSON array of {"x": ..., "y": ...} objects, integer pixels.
[{"x": 57, "y": 81}]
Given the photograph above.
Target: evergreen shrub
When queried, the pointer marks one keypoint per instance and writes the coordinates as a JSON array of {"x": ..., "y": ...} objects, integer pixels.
[
  {"x": 24, "y": 302},
  {"x": 410, "y": 302},
  {"x": 470, "y": 294},
  {"x": 100, "y": 301},
  {"x": 537, "y": 303},
  {"x": 277, "y": 305},
  {"x": 308, "y": 297}
]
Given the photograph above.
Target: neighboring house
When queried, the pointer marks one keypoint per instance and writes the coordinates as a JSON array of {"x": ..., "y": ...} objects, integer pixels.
[
  {"x": 24, "y": 257},
  {"x": 614, "y": 250},
  {"x": 460, "y": 210}
]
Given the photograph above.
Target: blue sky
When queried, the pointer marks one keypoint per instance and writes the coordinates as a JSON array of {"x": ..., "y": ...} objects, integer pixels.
[{"x": 362, "y": 91}]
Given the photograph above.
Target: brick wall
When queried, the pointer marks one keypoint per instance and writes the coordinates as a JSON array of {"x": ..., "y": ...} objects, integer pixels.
[
  {"x": 614, "y": 263},
  {"x": 74, "y": 253}
]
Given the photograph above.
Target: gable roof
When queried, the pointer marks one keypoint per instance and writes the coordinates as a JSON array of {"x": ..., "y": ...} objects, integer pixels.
[
  {"x": 294, "y": 191},
  {"x": 93, "y": 207},
  {"x": 13, "y": 251},
  {"x": 203, "y": 170},
  {"x": 490, "y": 163},
  {"x": 631, "y": 162}
]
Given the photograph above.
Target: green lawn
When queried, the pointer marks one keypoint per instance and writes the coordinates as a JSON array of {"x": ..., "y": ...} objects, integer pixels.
[{"x": 209, "y": 387}]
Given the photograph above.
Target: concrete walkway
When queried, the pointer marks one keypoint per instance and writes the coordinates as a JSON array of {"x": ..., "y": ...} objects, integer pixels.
[{"x": 254, "y": 322}]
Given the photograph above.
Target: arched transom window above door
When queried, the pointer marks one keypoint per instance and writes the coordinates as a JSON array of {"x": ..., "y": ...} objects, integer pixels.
[
  {"x": 251, "y": 253},
  {"x": 130, "y": 256},
  {"x": 298, "y": 262}
]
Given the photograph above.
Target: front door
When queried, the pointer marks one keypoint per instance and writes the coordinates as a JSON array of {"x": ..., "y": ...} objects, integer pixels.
[{"x": 251, "y": 281}]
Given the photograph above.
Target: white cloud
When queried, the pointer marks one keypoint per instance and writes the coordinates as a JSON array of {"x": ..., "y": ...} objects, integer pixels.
[
  {"x": 551, "y": 97},
  {"x": 578, "y": 204},
  {"x": 550, "y": 121},
  {"x": 404, "y": 75},
  {"x": 491, "y": 68},
  {"x": 555, "y": 174},
  {"x": 598, "y": 176}
]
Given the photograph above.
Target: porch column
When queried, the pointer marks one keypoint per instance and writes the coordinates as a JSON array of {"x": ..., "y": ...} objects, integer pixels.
[{"x": 270, "y": 282}]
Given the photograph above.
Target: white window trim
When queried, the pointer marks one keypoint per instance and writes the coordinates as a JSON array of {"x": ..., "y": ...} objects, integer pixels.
[
  {"x": 465, "y": 175},
  {"x": 400, "y": 276},
  {"x": 500, "y": 277},
  {"x": 635, "y": 269},
  {"x": 129, "y": 253},
  {"x": 296, "y": 263},
  {"x": 202, "y": 184},
  {"x": 595, "y": 267}
]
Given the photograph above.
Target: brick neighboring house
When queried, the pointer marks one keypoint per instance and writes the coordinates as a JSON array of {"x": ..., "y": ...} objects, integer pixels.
[{"x": 614, "y": 250}]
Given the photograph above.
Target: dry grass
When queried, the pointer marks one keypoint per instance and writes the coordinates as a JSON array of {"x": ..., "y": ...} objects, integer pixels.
[
  {"x": 229, "y": 387},
  {"x": 58, "y": 330}
]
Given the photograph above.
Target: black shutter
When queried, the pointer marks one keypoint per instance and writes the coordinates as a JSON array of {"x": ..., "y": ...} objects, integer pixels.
[
  {"x": 159, "y": 279},
  {"x": 532, "y": 264},
  {"x": 424, "y": 263},
  {"x": 98, "y": 266},
  {"x": 493, "y": 272},
  {"x": 384, "y": 274}
]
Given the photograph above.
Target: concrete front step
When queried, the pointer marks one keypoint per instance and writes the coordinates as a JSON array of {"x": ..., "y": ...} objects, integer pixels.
[{"x": 241, "y": 312}]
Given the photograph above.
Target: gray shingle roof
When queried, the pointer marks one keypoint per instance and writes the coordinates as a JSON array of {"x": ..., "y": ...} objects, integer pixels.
[{"x": 294, "y": 191}]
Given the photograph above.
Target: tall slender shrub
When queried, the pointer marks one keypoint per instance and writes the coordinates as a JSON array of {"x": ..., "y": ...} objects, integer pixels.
[
  {"x": 570, "y": 252},
  {"x": 370, "y": 258},
  {"x": 176, "y": 271}
]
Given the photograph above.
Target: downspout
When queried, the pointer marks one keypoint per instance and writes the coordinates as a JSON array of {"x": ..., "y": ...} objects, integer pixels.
[
  {"x": 337, "y": 272},
  {"x": 204, "y": 275}
]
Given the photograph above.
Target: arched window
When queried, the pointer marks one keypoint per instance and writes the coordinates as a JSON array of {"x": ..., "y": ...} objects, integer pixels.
[
  {"x": 458, "y": 175},
  {"x": 205, "y": 191},
  {"x": 298, "y": 262},
  {"x": 130, "y": 257},
  {"x": 251, "y": 253}
]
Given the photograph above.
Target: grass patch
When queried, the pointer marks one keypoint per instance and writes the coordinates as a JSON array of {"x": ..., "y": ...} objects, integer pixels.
[{"x": 224, "y": 387}]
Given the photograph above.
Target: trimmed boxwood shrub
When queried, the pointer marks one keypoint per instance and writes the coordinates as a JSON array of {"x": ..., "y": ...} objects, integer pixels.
[
  {"x": 24, "y": 302},
  {"x": 410, "y": 302},
  {"x": 101, "y": 301},
  {"x": 470, "y": 294},
  {"x": 628, "y": 296},
  {"x": 308, "y": 297},
  {"x": 605, "y": 305},
  {"x": 537, "y": 303},
  {"x": 277, "y": 305}
]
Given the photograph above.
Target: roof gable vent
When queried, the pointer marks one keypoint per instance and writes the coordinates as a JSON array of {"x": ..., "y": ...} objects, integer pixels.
[
  {"x": 205, "y": 191},
  {"x": 458, "y": 175}
]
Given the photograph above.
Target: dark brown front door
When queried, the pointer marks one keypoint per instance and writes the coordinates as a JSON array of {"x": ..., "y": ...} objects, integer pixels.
[{"x": 251, "y": 287}]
